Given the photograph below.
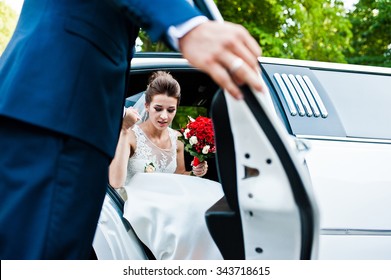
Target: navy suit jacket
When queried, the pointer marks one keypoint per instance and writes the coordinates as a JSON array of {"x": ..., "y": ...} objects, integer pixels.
[{"x": 65, "y": 68}]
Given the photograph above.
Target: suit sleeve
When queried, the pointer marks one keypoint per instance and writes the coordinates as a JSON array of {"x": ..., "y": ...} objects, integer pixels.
[{"x": 156, "y": 16}]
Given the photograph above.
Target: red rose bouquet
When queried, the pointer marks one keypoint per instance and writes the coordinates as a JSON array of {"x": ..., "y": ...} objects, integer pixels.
[{"x": 198, "y": 137}]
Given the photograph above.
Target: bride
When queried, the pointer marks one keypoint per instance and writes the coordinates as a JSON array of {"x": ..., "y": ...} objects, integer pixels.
[{"x": 165, "y": 208}]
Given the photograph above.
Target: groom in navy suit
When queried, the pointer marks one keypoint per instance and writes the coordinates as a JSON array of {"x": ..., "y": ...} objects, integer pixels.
[{"x": 63, "y": 79}]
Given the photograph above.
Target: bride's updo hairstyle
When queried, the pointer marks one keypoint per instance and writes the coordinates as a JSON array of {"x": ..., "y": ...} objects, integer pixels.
[{"x": 162, "y": 82}]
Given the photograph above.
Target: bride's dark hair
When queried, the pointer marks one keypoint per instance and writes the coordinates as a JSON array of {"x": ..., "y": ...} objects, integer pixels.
[{"x": 162, "y": 82}]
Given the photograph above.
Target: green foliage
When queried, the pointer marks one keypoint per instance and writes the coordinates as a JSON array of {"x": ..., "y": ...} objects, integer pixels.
[
  {"x": 181, "y": 117},
  {"x": 149, "y": 46},
  {"x": 300, "y": 29},
  {"x": 371, "y": 27},
  {"x": 8, "y": 19},
  {"x": 319, "y": 30}
]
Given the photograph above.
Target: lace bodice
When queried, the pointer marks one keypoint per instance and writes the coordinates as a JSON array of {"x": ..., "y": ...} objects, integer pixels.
[{"x": 164, "y": 160}]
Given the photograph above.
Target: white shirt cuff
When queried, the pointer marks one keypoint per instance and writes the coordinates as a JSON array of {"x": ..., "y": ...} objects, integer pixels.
[{"x": 178, "y": 31}]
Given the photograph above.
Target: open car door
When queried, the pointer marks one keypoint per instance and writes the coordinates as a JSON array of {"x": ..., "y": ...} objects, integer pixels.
[{"x": 269, "y": 211}]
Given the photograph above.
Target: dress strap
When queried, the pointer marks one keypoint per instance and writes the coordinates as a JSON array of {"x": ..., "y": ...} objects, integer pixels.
[
  {"x": 174, "y": 137},
  {"x": 137, "y": 130}
]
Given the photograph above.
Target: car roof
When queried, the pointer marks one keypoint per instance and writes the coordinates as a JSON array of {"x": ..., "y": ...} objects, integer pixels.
[{"x": 146, "y": 60}]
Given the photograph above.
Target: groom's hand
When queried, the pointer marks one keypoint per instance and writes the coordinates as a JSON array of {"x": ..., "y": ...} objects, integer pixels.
[{"x": 225, "y": 51}]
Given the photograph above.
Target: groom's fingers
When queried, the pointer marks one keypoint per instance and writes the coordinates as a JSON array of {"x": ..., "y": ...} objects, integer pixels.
[{"x": 225, "y": 51}]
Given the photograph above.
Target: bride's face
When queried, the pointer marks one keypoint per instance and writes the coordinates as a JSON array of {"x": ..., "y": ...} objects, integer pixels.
[{"x": 162, "y": 110}]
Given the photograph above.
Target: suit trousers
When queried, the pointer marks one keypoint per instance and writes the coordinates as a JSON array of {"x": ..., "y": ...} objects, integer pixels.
[{"x": 52, "y": 188}]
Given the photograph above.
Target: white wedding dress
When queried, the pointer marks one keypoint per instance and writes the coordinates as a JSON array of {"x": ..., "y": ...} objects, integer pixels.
[{"x": 167, "y": 210}]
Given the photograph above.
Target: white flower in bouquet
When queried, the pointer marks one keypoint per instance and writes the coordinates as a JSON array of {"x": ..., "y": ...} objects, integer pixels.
[
  {"x": 193, "y": 140},
  {"x": 186, "y": 132},
  {"x": 205, "y": 150}
]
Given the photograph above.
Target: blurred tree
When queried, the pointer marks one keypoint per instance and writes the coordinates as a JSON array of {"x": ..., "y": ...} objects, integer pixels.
[
  {"x": 312, "y": 29},
  {"x": 300, "y": 29},
  {"x": 148, "y": 46},
  {"x": 183, "y": 113},
  {"x": 8, "y": 19},
  {"x": 371, "y": 26}
]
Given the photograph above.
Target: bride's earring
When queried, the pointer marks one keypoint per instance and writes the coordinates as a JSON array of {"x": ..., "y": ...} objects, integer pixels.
[{"x": 146, "y": 115}]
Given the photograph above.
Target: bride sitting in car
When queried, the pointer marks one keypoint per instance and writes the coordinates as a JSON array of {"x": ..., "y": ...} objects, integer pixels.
[{"x": 165, "y": 209}]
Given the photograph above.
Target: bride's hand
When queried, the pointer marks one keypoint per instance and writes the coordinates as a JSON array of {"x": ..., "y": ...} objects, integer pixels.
[
  {"x": 201, "y": 169},
  {"x": 130, "y": 118}
]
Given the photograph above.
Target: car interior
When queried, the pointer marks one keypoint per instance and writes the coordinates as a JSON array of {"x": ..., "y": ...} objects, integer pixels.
[{"x": 197, "y": 91}]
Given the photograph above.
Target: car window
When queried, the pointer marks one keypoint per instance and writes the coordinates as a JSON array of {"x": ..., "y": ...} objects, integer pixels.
[{"x": 362, "y": 101}]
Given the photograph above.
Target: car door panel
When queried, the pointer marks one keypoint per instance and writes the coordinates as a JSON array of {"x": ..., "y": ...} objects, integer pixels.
[
  {"x": 354, "y": 247},
  {"x": 352, "y": 183},
  {"x": 278, "y": 212}
]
